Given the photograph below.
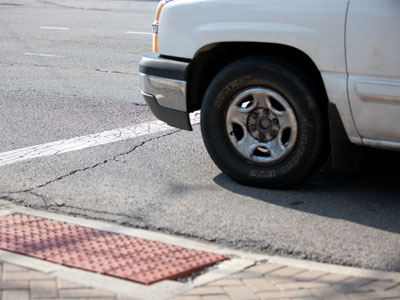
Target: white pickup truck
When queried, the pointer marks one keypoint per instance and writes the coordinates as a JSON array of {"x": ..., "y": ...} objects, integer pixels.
[{"x": 280, "y": 83}]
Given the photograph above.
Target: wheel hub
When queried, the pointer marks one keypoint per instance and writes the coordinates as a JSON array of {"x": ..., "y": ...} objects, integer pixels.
[{"x": 263, "y": 124}]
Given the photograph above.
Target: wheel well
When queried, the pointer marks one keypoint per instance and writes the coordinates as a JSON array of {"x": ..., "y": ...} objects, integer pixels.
[{"x": 213, "y": 58}]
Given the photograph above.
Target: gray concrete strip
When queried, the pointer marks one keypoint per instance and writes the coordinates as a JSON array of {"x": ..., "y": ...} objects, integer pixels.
[
  {"x": 6, "y": 212},
  {"x": 224, "y": 269},
  {"x": 29, "y": 262},
  {"x": 4, "y": 205},
  {"x": 120, "y": 286}
]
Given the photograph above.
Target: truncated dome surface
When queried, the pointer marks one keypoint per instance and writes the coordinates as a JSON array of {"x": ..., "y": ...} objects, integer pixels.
[{"x": 93, "y": 250}]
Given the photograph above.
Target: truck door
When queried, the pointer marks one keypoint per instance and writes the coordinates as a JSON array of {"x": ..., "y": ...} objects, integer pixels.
[{"x": 373, "y": 64}]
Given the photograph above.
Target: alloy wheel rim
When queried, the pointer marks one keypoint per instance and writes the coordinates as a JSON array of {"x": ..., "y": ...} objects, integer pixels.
[{"x": 261, "y": 126}]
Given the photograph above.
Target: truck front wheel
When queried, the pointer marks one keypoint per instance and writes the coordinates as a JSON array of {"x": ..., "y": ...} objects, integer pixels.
[{"x": 262, "y": 123}]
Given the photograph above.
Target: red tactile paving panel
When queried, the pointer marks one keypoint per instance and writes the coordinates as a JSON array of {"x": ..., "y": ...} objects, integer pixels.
[{"x": 108, "y": 253}]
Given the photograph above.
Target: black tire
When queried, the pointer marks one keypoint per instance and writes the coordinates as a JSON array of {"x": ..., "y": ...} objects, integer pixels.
[{"x": 301, "y": 147}]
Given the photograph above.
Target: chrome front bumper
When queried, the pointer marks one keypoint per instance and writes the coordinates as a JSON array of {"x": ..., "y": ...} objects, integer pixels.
[
  {"x": 163, "y": 84},
  {"x": 169, "y": 93}
]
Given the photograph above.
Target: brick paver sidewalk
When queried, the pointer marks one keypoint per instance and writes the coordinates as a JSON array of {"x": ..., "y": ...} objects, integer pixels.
[
  {"x": 264, "y": 281},
  {"x": 18, "y": 283},
  {"x": 273, "y": 281}
]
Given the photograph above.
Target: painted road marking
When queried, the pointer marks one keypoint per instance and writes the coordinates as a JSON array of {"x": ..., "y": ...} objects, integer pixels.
[
  {"x": 44, "y": 55},
  {"x": 138, "y": 32},
  {"x": 83, "y": 142},
  {"x": 54, "y": 28}
]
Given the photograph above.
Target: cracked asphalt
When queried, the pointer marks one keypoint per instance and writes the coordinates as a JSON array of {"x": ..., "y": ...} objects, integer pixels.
[{"x": 162, "y": 181}]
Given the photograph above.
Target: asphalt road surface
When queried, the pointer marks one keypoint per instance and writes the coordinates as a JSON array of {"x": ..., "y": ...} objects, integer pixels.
[{"x": 77, "y": 138}]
